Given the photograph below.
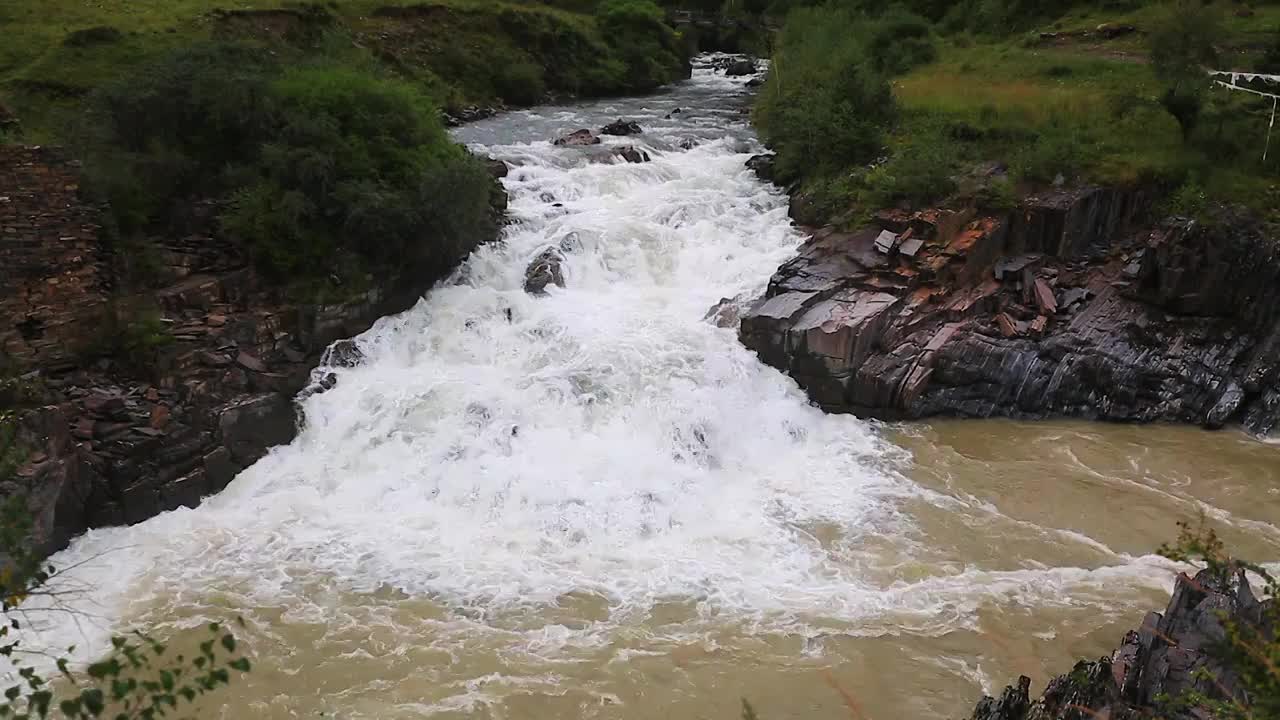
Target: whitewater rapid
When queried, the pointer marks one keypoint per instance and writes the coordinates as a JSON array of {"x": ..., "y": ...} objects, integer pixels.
[{"x": 597, "y": 467}]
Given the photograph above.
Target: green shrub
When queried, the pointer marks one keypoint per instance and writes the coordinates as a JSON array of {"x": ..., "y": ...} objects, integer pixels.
[
  {"x": 1182, "y": 41},
  {"x": 326, "y": 170},
  {"x": 345, "y": 173},
  {"x": 918, "y": 173},
  {"x": 646, "y": 46},
  {"x": 174, "y": 128},
  {"x": 1189, "y": 201},
  {"x": 899, "y": 41},
  {"x": 824, "y": 106},
  {"x": 1056, "y": 154},
  {"x": 132, "y": 334},
  {"x": 520, "y": 83}
]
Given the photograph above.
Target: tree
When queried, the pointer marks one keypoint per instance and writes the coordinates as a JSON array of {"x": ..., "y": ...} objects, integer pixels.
[
  {"x": 138, "y": 678},
  {"x": 1182, "y": 43}
]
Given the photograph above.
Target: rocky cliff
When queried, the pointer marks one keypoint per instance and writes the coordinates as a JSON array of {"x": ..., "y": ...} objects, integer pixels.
[
  {"x": 1168, "y": 656},
  {"x": 1066, "y": 306},
  {"x": 108, "y": 442}
]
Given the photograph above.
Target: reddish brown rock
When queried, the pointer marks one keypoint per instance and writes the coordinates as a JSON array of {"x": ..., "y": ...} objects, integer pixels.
[
  {"x": 578, "y": 138},
  {"x": 1180, "y": 324},
  {"x": 1044, "y": 297},
  {"x": 120, "y": 443}
]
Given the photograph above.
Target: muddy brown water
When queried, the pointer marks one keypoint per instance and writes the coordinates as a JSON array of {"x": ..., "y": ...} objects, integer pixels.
[{"x": 597, "y": 504}]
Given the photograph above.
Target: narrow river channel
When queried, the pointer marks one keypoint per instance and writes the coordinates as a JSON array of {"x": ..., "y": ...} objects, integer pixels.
[{"x": 597, "y": 504}]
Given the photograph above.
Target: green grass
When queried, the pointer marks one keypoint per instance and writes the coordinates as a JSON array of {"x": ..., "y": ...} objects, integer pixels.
[
  {"x": 1108, "y": 104},
  {"x": 1083, "y": 108},
  {"x": 462, "y": 51}
]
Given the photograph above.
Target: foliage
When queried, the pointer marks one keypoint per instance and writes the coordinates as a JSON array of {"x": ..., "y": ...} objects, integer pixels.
[
  {"x": 138, "y": 678},
  {"x": 1189, "y": 201},
  {"x": 900, "y": 40},
  {"x": 132, "y": 334},
  {"x": 824, "y": 105},
  {"x": 1182, "y": 43},
  {"x": 461, "y": 52},
  {"x": 345, "y": 171},
  {"x": 327, "y": 169},
  {"x": 647, "y": 47},
  {"x": 919, "y": 171},
  {"x": 1270, "y": 62},
  {"x": 1251, "y": 651},
  {"x": 179, "y": 126}
]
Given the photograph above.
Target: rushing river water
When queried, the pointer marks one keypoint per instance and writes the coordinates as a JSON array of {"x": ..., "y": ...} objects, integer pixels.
[{"x": 598, "y": 504}]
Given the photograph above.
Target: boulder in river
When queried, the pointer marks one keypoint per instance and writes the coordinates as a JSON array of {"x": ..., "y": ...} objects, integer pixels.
[
  {"x": 622, "y": 127},
  {"x": 762, "y": 166},
  {"x": 1057, "y": 309},
  {"x": 497, "y": 168},
  {"x": 571, "y": 243},
  {"x": 250, "y": 427},
  {"x": 740, "y": 68},
  {"x": 578, "y": 138},
  {"x": 343, "y": 353},
  {"x": 1165, "y": 657},
  {"x": 545, "y": 269},
  {"x": 632, "y": 154}
]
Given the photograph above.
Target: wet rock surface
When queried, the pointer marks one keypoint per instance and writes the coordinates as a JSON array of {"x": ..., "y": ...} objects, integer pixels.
[
  {"x": 545, "y": 269},
  {"x": 1166, "y": 657},
  {"x": 578, "y": 138},
  {"x": 110, "y": 443},
  {"x": 1062, "y": 308},
  {"x": 622, "y": 127},
  {"x": 632, "y": 154}
]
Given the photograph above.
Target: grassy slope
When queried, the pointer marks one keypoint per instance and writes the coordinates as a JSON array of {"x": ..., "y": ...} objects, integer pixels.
[
  {"x": 41, "y": 75},
  {"x": 1108, "y": 90},
  {"x": 1097, "y": 99}
]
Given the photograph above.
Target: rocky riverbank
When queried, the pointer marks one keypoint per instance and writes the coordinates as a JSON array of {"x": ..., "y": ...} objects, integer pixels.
[
  {"x": 1073, "y": 304},
  {"x": 106, "y": 442},
  {"x": 1166, "y": 657}
]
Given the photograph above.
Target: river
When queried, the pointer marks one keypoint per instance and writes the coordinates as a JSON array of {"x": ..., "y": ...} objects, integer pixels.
[{"x": 597, "y": 504}]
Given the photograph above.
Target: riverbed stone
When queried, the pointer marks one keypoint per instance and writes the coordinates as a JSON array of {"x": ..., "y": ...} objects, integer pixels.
[
  {"x": 1165, "y": 657},
  {"x": 632, "y": 154},
  {"x": 578, "y": 138},
  {"x": 545, "y": 269},
  {"x": 251, "y": 427},
  {"x": 622, "y": 127},
  {"x": 1042, "y": 319}
]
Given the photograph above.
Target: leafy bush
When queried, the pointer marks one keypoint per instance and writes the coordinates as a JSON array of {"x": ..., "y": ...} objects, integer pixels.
[
  {"x": 647, "y": 47},
  {"x": 520, "y": 83},
  {"x": 176, "y": 127},
  {"x": 900, "y": 40},
  {"x": 824, "y": 106},
  {"x": 1182, "y": 41},
  {"x": 1189, "y": 200},
  {"x": 1059, "y": 151},
  {"x": 326, "y": 169},
  {"x": 346, "y": 172},
  {"x": 919, "y": 172}
]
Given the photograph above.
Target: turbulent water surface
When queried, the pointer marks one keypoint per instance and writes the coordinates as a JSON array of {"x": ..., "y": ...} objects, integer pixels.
[{"x": 598, "y": 504}]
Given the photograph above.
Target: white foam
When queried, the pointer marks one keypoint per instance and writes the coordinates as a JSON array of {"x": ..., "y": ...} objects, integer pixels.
[{"x": 497, "y": 451}]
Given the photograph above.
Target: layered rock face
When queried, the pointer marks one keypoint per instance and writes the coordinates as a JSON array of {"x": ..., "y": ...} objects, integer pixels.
[
  {"x": 1167, "y": 657},
  {"x": 115, "y": 444},
  {"x": 1057, "y": 309}
]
